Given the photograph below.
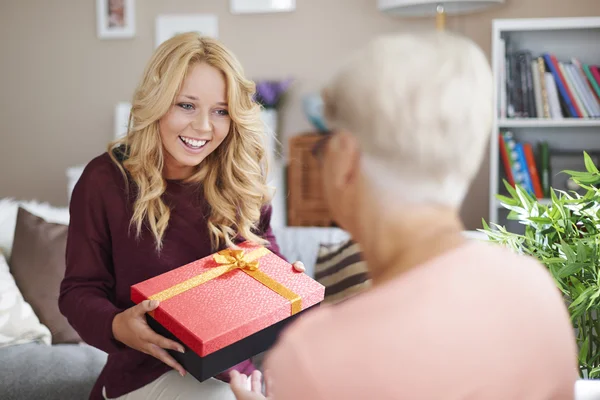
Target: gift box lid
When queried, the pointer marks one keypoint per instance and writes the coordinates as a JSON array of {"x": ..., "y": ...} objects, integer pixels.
[{"x": 211, "y": 315}]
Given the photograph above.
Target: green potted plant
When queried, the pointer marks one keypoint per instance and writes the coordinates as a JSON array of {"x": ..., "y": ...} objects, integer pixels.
[{"x": 564, "y": 235}]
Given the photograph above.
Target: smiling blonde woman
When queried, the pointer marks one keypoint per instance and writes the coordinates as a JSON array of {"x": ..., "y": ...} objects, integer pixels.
[{"x": 187, "y": 180}]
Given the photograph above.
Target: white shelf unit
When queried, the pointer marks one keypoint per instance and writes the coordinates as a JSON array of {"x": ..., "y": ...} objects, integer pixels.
[{"x": 566, "y": 38}]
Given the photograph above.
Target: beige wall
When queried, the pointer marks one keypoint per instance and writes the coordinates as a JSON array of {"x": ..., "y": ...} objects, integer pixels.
[{"x": 59, "y": 83}]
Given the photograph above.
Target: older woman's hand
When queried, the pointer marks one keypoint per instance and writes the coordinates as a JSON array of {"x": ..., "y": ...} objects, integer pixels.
[{"x": 239, "y": 386}]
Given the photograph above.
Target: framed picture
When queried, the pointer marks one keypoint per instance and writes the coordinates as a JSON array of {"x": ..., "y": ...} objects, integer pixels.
[
  {"x": 261, "y": 6},
  {"x": 115, "y": 19},
  {"x": 168, "y": 26}
]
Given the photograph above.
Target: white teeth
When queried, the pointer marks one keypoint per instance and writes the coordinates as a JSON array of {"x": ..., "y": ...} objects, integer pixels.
[{"x": 193, "y": 142}]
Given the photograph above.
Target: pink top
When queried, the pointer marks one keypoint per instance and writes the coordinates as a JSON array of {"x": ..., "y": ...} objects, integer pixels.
[{"x": 478, "y": 322}]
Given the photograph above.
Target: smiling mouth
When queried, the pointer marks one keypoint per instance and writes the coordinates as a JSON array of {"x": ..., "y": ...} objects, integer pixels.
[{"x": 194, "y": 144}]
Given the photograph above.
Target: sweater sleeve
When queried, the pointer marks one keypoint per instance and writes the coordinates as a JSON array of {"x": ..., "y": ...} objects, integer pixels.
[{"x": 87, "y": 290}]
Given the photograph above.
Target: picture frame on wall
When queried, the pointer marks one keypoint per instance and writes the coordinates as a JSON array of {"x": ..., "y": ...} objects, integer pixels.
[
  {"x": 168, "y": 26},
  {"x": 261, "y": 6},
  {"x": 115, "y": 19}
]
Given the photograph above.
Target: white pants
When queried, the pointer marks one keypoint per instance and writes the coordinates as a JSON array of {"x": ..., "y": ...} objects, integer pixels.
[{"x": 172, "y": 386}]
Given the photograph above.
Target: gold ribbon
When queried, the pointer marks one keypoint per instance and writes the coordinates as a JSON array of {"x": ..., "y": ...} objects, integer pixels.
[{"x": 228, "y": 261}]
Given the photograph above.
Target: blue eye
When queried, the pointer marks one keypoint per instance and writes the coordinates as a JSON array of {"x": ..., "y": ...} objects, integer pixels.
[
  {"x": 222, "y": 112},
  {"x": 186, "y": 106}
]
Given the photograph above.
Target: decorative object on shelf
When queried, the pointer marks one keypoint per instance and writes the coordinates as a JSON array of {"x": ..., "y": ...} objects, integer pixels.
[
  {"x": 168, "y": 26},
  {"x": 439, "y": 8},
  {"x": 269, "y": 119},
  {"x": 313, "y": 109},
  {"x": 269, "y": 94},
  {"x": 564, "y": 236},
  {"x": 115, "y": 19},
  {"x": 122, "y": 111},
  {"x": 306, "y": 203},
  {"x": 261, "y": 6}
]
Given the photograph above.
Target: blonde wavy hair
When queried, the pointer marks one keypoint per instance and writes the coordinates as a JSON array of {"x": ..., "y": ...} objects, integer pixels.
[{"x": 233, "y": 175}]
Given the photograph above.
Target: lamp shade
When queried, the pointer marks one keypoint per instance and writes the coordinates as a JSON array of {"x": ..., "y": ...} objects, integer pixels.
[{"x": 423, "y": 8}]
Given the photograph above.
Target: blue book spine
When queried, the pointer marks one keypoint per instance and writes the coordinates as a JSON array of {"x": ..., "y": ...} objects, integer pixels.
[
  {"x": 561, "y": 88},
  {"x": 513, "y": 155},
  {"x": 527, "y": 183}
]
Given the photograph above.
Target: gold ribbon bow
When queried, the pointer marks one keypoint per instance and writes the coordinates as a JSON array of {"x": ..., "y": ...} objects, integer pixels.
[{"x": 228, "y": 261}]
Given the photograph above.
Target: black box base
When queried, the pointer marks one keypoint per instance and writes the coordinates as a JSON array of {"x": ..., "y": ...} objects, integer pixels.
[{"x": 203, "y": 368}]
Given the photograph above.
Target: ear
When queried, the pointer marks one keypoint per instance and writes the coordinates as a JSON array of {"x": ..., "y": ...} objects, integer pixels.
[{"x": 349, "y": 159}]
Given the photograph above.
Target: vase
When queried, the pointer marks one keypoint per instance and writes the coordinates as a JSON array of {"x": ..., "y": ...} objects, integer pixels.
[
  {"x": 269, "y": 118},
  {"x": 276, "y": 177}
]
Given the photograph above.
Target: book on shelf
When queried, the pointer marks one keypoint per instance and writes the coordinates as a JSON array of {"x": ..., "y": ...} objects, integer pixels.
[
  {"x": 541, "y": 86},
  {"x": 522, "y": 167}
]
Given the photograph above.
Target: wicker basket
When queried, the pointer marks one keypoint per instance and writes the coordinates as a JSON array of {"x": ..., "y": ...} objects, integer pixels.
[{"x": 306, "y": 205}]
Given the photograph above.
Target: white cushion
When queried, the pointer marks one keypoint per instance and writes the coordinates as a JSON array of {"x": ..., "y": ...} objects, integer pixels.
[
  {"x": 298, "y": 243},
  {"x": 8, "y": 218},
  {"x": 18, "y": 322}
]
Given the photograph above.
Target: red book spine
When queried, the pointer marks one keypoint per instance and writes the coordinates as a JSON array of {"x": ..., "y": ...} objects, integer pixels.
[
  {"x": 505, "y": 160},
  {"x": 596, "y": 72},
  {"x": 567, "y": 87},
  {"x": 533, "y": 172}
]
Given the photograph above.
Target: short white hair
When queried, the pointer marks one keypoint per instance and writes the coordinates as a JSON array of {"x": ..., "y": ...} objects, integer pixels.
[{"x": 421, "y": 108}]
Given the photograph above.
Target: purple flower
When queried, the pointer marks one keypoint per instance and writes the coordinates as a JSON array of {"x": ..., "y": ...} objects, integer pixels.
[{"x": 269, "y": 92}]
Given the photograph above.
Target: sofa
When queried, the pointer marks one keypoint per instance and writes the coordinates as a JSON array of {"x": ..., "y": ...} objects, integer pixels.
[{"x": 32, "y": 367}]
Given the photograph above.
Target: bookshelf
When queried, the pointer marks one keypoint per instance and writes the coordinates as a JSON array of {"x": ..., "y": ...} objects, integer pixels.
[{"x": 566, "y": 133}]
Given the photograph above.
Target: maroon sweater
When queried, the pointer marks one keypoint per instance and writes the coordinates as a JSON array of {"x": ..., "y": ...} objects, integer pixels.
[{"x": 104, "y": 258}]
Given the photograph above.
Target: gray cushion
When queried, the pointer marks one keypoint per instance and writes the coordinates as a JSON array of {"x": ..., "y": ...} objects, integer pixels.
[{"x": 38, "y": 371}]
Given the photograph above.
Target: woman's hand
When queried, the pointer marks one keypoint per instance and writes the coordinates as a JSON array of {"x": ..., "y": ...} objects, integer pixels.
[
  {"x": 299, "y": 266},
  {"x": 130, "y": 328},
  {"x": 239, "y": 386}
]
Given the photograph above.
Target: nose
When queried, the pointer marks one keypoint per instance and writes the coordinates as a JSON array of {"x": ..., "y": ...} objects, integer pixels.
[{"x": 201, "y": 123}]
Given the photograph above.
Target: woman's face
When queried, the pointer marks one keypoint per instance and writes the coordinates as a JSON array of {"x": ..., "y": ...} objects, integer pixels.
[{"x": 197, "y": 122}]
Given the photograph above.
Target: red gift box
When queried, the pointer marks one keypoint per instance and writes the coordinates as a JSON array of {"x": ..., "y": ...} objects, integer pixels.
[{"x": 221, "y": 299}]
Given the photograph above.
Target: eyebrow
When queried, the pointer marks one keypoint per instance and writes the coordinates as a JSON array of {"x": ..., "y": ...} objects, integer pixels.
[{"x": 187, "y": 96}]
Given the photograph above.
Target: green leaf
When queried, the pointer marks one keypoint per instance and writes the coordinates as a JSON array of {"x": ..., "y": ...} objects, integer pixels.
[
  {"x": 524, "y": 197},
  {"x": 589, "y": 164},
  {"x": 579, "y": 288},
  {"x": 588, "y": 205},
  {"x": 577, "y": 174},
  {"x": 485, "y": 225},
  {"x": 577, "y": 307},
  {"x": 511, "y": 190},
  {"x": 554, "y": 260},
  {"x": 569, "y": 253},
  {"x": 540, "y": 220},
  {"x": 570, "y": 269},
  {"x": 513, "y": 216},
  {"x": 594, "y": 373},
  {"x": 507, "y": 200},
  {"x": 581, "y": 252},
  {"x": 593, "y": 299},
  {"x": 589, "y": 227}
]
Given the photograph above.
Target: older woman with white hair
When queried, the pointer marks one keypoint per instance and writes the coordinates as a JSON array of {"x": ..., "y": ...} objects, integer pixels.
[{"x": 446, "y": 318}]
